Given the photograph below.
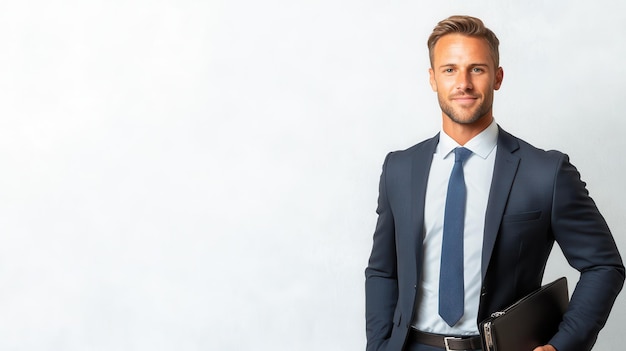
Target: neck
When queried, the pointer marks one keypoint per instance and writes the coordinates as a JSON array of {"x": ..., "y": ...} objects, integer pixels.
[{"x": 462, "y": 133}]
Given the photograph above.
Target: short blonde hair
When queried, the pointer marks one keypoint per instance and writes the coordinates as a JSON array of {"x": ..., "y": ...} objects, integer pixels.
[{"x": 465, "y": 25}]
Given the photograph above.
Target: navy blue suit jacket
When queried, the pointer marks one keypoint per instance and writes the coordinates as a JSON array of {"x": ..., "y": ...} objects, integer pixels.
[{"x": 536, "y": 197}]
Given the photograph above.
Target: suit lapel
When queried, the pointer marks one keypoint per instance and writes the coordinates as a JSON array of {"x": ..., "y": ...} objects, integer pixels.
[
  {"x": 420, "y": 169},
  {"x": 504, "y": 171}
]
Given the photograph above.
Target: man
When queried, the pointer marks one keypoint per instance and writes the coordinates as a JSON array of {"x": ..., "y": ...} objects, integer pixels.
[{"x": 515, "y": 199}]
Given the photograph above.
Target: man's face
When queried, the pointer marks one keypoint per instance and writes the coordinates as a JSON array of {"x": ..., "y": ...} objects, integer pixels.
[{"x": 464, "y": 77}]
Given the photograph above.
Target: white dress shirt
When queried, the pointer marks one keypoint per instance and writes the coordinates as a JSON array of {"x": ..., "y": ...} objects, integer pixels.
[{"x": 478, "y": 172}]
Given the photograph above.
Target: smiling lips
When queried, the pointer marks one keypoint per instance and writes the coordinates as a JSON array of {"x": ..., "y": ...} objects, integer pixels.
[{"x": 464, "y": 99}]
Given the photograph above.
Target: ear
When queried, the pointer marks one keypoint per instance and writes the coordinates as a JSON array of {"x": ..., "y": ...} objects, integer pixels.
[
  {"x": 499, "y": 78},
  {"x": 433, "y": 82}
]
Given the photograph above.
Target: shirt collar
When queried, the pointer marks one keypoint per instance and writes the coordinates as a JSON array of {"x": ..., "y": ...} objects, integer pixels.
[{"x": 482, "y": 144}]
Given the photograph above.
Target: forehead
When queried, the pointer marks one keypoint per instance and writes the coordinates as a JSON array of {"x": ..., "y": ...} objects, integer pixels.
[{"x": 459, "y": 49}]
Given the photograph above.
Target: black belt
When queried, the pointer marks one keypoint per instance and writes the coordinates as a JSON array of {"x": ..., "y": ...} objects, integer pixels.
[{"x": 448, "y": 343}]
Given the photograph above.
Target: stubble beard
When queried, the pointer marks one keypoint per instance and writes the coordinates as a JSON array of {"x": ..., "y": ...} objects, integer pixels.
[{"x": 458, "y": 116}]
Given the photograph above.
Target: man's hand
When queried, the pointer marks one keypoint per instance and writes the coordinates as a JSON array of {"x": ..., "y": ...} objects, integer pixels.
[{"x": 545, "y": 348}]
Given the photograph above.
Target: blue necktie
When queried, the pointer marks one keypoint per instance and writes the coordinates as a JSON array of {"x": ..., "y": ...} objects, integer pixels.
[{"x": 451, "y": 278}]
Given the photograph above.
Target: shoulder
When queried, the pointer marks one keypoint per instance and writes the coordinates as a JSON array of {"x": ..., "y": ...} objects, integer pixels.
[
  {"x": 424, "y": 147},
  {"x": 526, "y": 151},
  {"x": 400, "y": 165}
]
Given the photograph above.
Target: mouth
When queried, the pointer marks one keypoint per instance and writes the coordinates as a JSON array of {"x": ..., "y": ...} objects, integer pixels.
[{"x": 464, "y": 99}]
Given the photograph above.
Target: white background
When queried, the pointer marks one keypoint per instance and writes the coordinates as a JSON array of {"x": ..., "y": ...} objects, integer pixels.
[{"x": 193, "y": 175}]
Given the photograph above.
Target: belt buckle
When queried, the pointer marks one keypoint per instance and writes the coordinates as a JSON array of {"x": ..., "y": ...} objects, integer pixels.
[{"x": 446, "y": 339}]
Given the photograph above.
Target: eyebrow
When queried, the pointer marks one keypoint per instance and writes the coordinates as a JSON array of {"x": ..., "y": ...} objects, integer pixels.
[{"x": 470, "y": 65}]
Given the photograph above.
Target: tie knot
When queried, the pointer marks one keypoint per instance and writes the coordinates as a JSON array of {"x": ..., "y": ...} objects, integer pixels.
[{"x": 461, "y": 154}]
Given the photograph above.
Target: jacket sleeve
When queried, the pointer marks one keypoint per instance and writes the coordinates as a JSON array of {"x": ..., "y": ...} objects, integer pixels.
[
  {"x": 381, "y": 281},
  {"x": 589, "y": 247}
]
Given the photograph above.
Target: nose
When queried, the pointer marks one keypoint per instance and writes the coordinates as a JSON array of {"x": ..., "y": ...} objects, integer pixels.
[{"x": 464, "y": 81}]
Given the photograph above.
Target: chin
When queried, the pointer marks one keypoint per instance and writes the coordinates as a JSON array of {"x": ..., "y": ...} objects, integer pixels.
[{"x": 466, "y": 120}]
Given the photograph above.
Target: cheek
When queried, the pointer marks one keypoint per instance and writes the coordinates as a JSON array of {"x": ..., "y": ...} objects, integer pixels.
[
  {"x": 488, "y": 87},
  {"x": 443, "y": 85}
]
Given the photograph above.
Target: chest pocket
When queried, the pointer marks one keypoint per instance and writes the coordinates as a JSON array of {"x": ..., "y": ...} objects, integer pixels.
[{"x": 520, "y": 217}]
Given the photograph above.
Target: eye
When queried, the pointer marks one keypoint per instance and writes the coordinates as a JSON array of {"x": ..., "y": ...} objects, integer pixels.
[
  {"x": 477, "y": 70},
  {"x": 448, "y": 70}
]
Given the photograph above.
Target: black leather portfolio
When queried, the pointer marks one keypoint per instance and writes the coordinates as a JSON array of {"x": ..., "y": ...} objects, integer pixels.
[{"x": 529, "y": 322}]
